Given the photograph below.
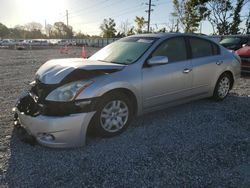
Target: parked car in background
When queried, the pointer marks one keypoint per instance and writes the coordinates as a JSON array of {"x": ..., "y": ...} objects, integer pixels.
[
  {"x": 234, "y": 43},
  {"x": 8, "y": 42},
  {"x": 127, "y": 78},
  {"x": 37, "y": 42},
  {"x": 65, "y": 42},
  {"x": 44, "y": 43},
  {"x": 34, "y": 42},
  {"x": 244, "y": 54}
]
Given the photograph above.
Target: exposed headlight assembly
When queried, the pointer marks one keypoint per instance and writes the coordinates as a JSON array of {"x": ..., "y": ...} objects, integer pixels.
[{"x": 69, "y": 91}]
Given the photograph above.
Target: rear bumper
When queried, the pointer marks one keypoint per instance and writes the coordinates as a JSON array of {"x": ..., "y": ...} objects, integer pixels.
[{"x": 57, "y": 131}]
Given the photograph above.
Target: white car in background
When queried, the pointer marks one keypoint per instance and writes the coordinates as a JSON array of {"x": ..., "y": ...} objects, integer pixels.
[{"x": 8, "y": 42}]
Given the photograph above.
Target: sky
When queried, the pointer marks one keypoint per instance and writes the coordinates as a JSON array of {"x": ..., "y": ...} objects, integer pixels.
[{"x": 85, "y": 15}]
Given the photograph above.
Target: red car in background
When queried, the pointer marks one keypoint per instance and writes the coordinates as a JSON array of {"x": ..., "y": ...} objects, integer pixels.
[{"x": 244, "y": 54}]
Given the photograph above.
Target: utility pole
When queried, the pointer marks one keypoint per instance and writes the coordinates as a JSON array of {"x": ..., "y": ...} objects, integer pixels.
[
  {"x": 200, "y": 26},
  {"x": 149, "y": 13},
  {"x": 45, "y": 27},
  {"x": 67, "y": 17}
]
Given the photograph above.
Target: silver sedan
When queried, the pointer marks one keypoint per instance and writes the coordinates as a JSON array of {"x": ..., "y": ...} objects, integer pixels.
[{"x": 130, "y": 77}]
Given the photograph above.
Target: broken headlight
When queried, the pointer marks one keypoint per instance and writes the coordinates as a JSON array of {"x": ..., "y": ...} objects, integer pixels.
[{"x": 69, "y": 91}]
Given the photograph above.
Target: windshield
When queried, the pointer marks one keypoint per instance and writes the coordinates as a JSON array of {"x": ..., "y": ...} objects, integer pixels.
[
  {"x": 124, "y": 51},
  {"x": 230, "y": 41}
]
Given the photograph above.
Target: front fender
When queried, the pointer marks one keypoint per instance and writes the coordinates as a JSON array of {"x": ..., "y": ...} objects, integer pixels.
[{"x": 97, "y": 90}]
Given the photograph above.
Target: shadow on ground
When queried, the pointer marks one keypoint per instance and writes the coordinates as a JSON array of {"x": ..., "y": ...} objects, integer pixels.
[{"x": 202, "y": 143}]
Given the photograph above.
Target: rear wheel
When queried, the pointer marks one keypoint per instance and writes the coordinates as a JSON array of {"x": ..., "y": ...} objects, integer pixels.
[
  {"x": 113, "y": 115},
  {"x": 222, "y": 87}
]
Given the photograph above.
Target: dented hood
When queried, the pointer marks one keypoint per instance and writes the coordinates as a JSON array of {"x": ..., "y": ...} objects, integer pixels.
[{"x": 66, "y": 70}]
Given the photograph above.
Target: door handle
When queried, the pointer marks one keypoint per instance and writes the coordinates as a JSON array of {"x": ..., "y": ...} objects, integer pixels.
[
  {"x": 219, "y": 62},
  {"x": 187, "y": 71}
]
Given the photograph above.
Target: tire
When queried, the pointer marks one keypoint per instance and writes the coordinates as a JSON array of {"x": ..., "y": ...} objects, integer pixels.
[
  {"x": 222, "y": 87},
  {"x": 113, "y": 115}
]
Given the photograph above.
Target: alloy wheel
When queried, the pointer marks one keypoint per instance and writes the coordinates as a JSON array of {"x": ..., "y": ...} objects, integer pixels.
[
  {"x": 224, "y": 86},
  {"x": 114, "y": 116}
]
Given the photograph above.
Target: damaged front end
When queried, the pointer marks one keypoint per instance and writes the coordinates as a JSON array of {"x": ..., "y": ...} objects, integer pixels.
[
  {"x": 34, "y": 103},
  {"x": 51, "y": 123},
  {"x": 32, "y": 108},
  {"x": 44, "y": 117}
]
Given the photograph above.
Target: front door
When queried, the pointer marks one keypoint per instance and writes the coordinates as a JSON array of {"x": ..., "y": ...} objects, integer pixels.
[{"x": 169, "y": 82}]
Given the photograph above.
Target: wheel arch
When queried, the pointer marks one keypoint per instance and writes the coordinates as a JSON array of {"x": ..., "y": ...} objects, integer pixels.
[
  {"x": 131, "y": 95},
  {"x": 228, "y": 72},
  {"x": 128, "y": 93}
]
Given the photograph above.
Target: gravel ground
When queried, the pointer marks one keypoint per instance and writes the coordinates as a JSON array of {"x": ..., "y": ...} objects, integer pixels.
[{"x": 199, "y": 144}]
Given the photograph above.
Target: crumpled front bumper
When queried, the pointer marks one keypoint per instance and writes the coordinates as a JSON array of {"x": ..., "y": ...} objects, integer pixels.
[
  {"x": 57, "y": 131},
  {"x": 60, "y": 131}
]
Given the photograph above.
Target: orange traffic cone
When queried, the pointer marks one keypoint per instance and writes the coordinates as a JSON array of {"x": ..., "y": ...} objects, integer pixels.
[
  {"x": 61, "y": 50},
  {"x": 66, "y": 49},
  {"x": 83, "y": 52}
]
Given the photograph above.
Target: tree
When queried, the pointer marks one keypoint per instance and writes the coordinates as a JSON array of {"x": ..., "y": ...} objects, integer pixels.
[
  {"x": 173, "y": 26},
  {"x": 220, "y": 13},
  {"x": 18, "y": 32},
  {"x": 4, "y": 31},
  {"x": 124, "y": 28},
  {"x": 60, "y": 30},
  {"x": 189, "y": 13},
  {"x": 162, "y": 30},
  {"x": 131, "y": 31},
  {"x": 120, "y": 35},
  {"x": 49, "y": 30},
  {"x": 224, "y": 16},
  {"x": 34, "y": 30},
  {"x": 108, "y": 28},
  {"x": 33, "y": 26},
  {"x": 140, "y": 23},
  {"x": 248, "y": 24},
  {"x": 80, "y": 35},
  {"x": 234, "y": 28}
]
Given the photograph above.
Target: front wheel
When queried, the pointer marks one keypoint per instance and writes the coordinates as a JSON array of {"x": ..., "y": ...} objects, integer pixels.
[
  {"x": 222, "y": 87},
  {"x": 113, "y": 115}
]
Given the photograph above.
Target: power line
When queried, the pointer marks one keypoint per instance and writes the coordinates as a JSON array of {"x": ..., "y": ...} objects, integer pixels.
[
  {"x": 76, "y": 13},
  {"x": 114, "y": 15},
  {"x": 102, "y": 8},
  {"x": 128, "y": 11}
]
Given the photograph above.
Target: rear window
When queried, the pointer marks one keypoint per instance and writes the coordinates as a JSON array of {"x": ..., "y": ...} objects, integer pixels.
[
  {"x": 216, "y": 49},
  {"x": 203, "y": 48}
]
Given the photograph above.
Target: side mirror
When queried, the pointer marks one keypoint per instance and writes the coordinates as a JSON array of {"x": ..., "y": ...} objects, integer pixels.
[{"x": 158, "y": 60}]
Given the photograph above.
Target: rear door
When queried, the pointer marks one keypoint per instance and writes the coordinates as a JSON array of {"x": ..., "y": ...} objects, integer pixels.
[
  {"x": 206, "y": 62},
  {"x": 169, "y": 82}
]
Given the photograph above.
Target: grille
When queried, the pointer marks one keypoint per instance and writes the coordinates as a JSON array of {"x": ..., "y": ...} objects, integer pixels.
[{"x": 41, "y": 90}]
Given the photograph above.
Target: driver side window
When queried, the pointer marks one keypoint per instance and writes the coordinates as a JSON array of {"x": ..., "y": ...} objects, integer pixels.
[{"x": 174, "y": 49}]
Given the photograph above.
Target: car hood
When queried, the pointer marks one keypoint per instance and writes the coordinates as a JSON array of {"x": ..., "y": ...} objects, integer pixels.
[
  {"x": 245, "y": 51},
  {"x": 67, "y": 70}
]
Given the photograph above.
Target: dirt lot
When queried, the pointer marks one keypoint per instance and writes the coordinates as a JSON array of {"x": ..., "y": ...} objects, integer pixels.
[{"x": 200, "y": 144}]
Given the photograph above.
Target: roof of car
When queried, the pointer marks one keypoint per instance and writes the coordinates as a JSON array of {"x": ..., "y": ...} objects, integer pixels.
[{"x": 163, "y": 35}]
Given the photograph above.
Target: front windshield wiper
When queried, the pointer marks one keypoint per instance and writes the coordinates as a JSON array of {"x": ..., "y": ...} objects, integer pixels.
[{"x": 111, "y": 62}]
